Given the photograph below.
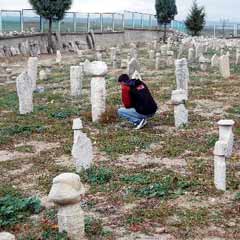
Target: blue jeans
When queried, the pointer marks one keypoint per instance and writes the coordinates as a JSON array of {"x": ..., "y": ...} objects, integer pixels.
[{"x": 132, "y": 115}]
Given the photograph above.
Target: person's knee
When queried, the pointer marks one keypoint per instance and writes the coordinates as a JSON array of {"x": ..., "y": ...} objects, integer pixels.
[{"x": 120, "y": 112}]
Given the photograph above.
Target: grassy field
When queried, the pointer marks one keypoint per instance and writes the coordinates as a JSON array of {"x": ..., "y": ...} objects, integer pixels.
[{"x": 157, "y": 182}]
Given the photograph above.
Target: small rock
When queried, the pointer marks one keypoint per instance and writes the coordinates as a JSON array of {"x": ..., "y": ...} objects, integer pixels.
[
  {"x": 6, "y": 236},
  {"x": 43, "y": 75},
  {"x": 39, "y": 89},
  {"x": 8, "y": 70}
]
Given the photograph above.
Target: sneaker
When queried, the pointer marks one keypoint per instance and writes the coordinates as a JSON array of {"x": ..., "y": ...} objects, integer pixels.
[{"x": 141, "y": 124}]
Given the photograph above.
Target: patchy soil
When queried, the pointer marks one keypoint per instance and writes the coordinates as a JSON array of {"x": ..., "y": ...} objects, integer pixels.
[
  {"x": 156, "y": 183},
  {"x": 22, "y": 150}
]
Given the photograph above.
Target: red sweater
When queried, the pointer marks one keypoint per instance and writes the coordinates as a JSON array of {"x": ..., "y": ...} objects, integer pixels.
[{"x": 126, "y": 96}]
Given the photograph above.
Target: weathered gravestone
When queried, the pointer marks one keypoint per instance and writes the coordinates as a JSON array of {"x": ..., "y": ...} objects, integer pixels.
[
  {"x": 222, "y": 51},
  {"x": 224, "y": 66},
  {"x": 77, "y": 127},
  {"x": 133, "y": 53},
  {"x": 33, "y": 71},
  {"x": 82, "y": 151},
  {"x": 237, "y": 56},
  {"x": 179, "y": 97},
  {"x": 76, "y": 74},
  {"x": 92, "y": 34},
  {"x": 182, "y": 74},
  {"x": 191, "y": 55},
  {"x": 113, "y": 54},
  {"x": 66, "y": 193},
  {"x": 91, "y": 40},
  {"x": 25, "y": 93},
  {"x": 199, "y": 50},
  {"x": 79, "y": 53},
  {"x": 226, "y": 135},
  {"x": 170, "y": 58},
  {"x": 164, "y": 49},
  {"x": 137, "y": 75},
  {"x": 133, "y": 66},
  {"x": 203, "y": 63},
  {"x": 215, "y": 61},
  {"x": 113, "y": 57},
  {"x": 98, "y": 70},
  {"x": 151, "y": 54},
  {"x": 158, "y": 60},
  {"x": 155, "y": 44},
  {"x": 99, "y": 56},
  {"x": 86, "y": 66},
  {"x": 58, "y": 57},
  {"x": 169, "y": 43},
  {"x": 43, "y": 76},
  {"x": 222, "y": 150},
  {"x": 180, "y": 51}
]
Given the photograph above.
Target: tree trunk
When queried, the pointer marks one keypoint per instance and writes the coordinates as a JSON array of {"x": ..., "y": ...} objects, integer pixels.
[
  {"x": 165, "y": 33},
  {"x": 50, "y": 41}
]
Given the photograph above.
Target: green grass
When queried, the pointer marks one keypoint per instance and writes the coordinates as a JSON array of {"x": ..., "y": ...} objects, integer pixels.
[
  {"x": 8, "y": 100},
  {"x": 156, "y": 212},
  {"x": 189, "y": 218},
  {"x": 96, "y": 175},
  {"x": 237, "y": 196},
  {"x": 14, "y": 210},
  {"x": 6, "y": 189},
  {"x": 141, "y": 183},
  {"x": 8, "y": 133},
  {"x": 175, "y": 145},
  {"x": 136, "y": 179},
  {"x": 154, "y": 191},
  {"x": 25, "y": 149},
  {"x": 54, "y": 234},
  {"x": 64, "y": 114},
  {"x": 94, "y": 228},
  {"x": 169, "y": 186},
  {"x": 234, "y": 110},
  {"x": 235, "y": 69},
  {"x": 124, "y": 141}
]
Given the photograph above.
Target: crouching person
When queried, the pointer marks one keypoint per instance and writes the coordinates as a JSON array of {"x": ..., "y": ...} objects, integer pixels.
[{"x": 137, "y": 100}]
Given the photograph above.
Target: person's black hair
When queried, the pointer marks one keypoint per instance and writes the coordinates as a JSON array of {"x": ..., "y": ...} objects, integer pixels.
[{"x": 123, "y": 78}]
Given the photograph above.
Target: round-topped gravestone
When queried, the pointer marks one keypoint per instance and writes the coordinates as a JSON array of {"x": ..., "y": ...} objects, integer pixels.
[
  {"x": 98, "y": 68},
  {"x": 227, "y": 122},
  {"x": 66, "y": 189},
  {"x": 66, "y": 193}
]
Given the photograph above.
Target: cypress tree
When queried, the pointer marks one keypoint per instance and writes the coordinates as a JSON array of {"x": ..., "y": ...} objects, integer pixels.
[
  {"x": 195, "y": 21},
  {"x": 51, "y": 10},
  {"x": 165, "y": 13}
]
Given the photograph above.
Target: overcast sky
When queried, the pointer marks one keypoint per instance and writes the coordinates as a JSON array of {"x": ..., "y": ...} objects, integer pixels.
[{"x": 215, "y": 9}]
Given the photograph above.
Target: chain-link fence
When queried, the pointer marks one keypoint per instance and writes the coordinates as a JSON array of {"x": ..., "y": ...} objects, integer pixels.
[
  {"x": 118, "y": 23},
  {"x": 28, "y": 21},
  {"x": 179, "y": 26},
  {"x": 11, "y": 20},
  {"x": 222, "y": 30}
]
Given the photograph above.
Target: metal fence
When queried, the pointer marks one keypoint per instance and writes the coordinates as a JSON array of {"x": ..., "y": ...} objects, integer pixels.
[
  {"x": 28, "y": 21},
  {"x": 222, "y": 30}
]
